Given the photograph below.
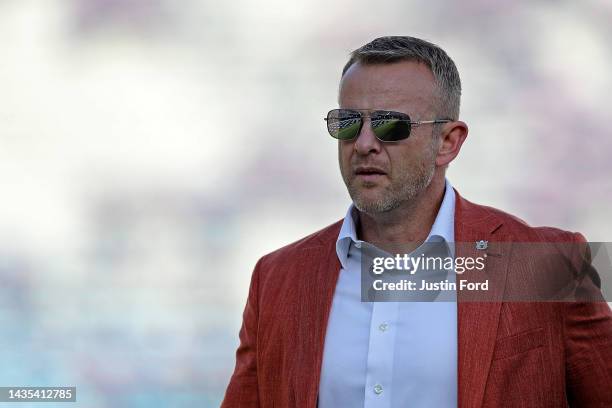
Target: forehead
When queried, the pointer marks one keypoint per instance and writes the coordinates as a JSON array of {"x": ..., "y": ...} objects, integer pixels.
[{"x": 402, "y": 86}]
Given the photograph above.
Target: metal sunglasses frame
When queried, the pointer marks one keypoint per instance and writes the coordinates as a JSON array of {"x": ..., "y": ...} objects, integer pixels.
[{"x": 414, "y": 123}]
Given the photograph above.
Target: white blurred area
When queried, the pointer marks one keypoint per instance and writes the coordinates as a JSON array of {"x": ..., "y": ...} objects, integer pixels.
[{"x": 152, "y": 150}]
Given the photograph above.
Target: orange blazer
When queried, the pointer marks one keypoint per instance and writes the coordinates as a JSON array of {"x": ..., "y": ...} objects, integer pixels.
[{"x": 510, "y": 354}]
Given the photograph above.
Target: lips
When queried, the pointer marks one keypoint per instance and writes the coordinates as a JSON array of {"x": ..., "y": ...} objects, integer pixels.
[
  {"x": 369, "y": 171},
  {"x": 369, "y": 176}
]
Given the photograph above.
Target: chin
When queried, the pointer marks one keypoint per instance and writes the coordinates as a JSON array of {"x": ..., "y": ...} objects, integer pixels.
[{"x": 374, "y": 205}]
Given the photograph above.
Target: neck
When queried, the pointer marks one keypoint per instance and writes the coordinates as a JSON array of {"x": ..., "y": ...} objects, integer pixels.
[{"x": 406, "y": 226}]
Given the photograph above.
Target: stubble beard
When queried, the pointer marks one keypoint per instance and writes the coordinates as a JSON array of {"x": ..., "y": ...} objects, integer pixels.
[{"x": 405, "y": 189}]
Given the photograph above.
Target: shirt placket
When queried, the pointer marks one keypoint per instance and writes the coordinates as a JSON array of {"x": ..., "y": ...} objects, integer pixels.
[{"x": 381, "y": 349}]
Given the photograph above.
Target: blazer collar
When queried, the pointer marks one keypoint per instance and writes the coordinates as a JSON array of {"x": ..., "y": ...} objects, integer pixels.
[{"x": 477, "y": 312}]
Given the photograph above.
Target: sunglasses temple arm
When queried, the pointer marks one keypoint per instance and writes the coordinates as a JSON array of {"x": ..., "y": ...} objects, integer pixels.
[{"x": 426, "y": 122}]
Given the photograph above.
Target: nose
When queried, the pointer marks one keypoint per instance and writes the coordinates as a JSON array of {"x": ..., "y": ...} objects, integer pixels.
[{"x": 366, "y": 141}]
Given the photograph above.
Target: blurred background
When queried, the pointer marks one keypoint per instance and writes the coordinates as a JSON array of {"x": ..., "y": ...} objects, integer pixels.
[{"x": 152, "y": 150}]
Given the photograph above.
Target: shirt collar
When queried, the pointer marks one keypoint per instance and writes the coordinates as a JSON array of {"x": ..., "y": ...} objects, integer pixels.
[{"x": 442, "y": 228}]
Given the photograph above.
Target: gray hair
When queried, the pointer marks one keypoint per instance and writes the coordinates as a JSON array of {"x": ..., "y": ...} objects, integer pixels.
[{"x": 387, "y": 50}]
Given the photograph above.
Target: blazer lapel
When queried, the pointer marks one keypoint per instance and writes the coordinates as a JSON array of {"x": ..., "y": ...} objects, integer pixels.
[
  {"x": 316, "y": 282},
  {"x": 478, "y": 311}
]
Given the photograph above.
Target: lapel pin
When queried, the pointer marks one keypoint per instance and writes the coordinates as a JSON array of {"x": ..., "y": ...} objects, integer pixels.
[{"x": 482, "y": 244}]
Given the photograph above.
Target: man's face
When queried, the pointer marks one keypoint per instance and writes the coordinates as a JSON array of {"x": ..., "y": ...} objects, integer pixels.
[{"x": 382, "y": 176}]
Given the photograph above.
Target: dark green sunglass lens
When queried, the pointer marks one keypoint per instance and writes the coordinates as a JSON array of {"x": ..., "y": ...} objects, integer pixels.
[
  {"x": 343, "y": 125},
  {"x": 391, "y": 129}
]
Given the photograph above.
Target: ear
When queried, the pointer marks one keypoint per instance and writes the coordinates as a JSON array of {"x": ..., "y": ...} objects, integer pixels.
[{"x": 452, "y": 136}]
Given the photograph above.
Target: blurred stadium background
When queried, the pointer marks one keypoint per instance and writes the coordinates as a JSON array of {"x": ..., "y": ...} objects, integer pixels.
[{"x": 152, "y": 150}]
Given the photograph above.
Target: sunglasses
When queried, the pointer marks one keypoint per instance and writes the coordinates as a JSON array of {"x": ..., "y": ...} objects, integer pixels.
[{"x": 388, "y": 126}]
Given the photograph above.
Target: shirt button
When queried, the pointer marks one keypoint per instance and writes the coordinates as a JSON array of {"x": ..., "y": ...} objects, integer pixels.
[
  {"x": 378, "y": 389},
  {"x": 383, "y": 327}
]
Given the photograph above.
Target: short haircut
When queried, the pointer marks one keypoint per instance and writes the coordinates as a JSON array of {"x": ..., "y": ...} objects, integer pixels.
[{"x": 387, "y": 50}]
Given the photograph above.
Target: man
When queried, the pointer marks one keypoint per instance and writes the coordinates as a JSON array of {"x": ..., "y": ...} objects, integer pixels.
[{"x": 308, "y": 340}]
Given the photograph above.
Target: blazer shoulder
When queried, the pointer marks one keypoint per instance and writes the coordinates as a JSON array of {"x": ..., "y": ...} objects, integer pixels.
[
  {"x": 322, "y": 238},
  {"x": 521, "y": 228},
  {"x": 517, "y": 227},
  {"x": 529, "y": 233}
]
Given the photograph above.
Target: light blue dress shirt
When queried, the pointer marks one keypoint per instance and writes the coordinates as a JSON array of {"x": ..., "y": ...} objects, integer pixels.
[{"x": 389, "y": 354}]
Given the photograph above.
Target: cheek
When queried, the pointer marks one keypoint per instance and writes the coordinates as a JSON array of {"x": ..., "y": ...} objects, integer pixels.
[
  {"x": 399, "y": 158},
  {"x": 344, "y": 153},
  {"x": 404, "y": 163}
]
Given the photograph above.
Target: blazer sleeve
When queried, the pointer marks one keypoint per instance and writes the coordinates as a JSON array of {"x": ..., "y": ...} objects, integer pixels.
[
  {"x": 588, "y": 347},
  {"x": 242, "y": 391}
]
